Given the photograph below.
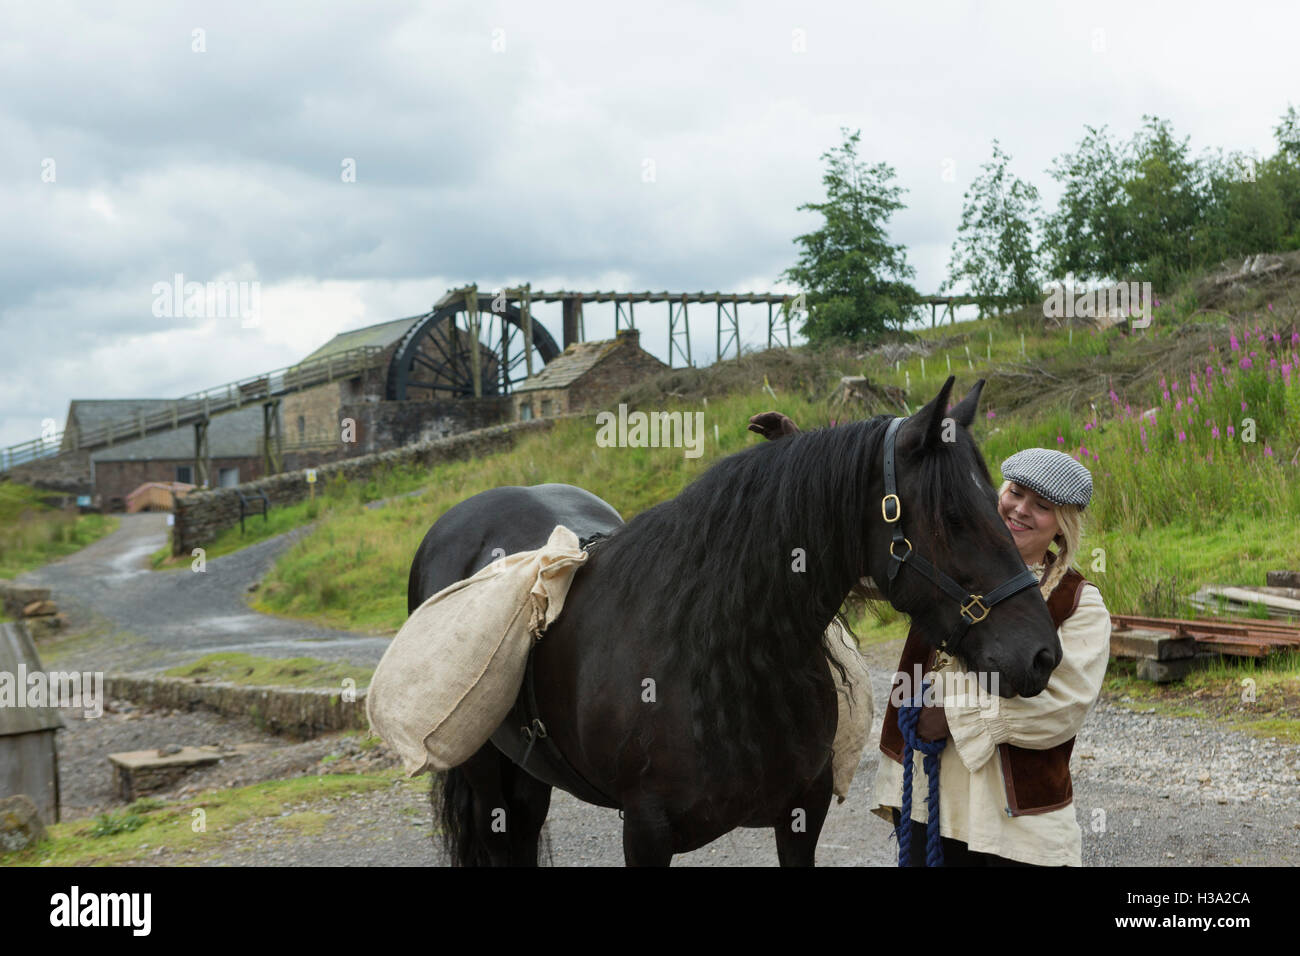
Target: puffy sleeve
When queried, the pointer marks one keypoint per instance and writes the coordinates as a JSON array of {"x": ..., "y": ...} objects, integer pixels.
[{"x": 979, "y": 722}]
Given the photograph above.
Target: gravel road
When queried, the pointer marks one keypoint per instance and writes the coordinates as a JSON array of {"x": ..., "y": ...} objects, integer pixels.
[
  {"x": 152, "y": 620},
  {"x": 1175, "y": 791}
]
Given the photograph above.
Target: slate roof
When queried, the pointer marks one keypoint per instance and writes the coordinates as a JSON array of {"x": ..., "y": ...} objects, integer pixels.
[
  {"x": 230, "y": 435},
  {"x": 16, "y": 648},
  {"x": 382, "y": 334},
  {"x": 569, "y": 366}
]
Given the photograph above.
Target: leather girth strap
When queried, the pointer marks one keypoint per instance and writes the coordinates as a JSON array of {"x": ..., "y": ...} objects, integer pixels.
[{"x": 557, "y": 771}]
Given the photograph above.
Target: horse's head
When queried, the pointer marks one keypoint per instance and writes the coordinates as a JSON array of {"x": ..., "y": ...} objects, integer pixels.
[{"x": 947, "y": 508}]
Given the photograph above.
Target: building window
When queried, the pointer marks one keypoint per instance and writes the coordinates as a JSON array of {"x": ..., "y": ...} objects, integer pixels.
[
  {"x": 302, "y": 427},
  {"x": 525, "y": 411},
  {"x": 228, "y": 477},
  {"x": 546, "y": 407},
  {"x": 185, "y": 474}
]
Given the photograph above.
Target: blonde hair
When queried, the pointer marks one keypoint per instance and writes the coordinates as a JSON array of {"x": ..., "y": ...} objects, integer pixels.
[{"x": 1069, "y": 523}]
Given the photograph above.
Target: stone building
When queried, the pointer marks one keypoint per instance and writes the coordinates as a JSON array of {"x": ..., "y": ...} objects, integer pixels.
[
  {"x": 313, "y": 418},
  {"x": 586, "y": 376},
  {"x": 234, "y": 448}
]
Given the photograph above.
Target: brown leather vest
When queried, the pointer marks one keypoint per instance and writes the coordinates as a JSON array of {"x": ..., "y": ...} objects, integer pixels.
[{"x": 1036, "y": 780}]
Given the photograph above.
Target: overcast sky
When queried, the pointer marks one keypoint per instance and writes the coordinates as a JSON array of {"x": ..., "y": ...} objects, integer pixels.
[{"x": 572, "y": 145}]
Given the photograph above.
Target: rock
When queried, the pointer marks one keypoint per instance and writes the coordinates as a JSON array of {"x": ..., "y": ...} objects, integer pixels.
[
  {"x": 169, "y": 750},
  {"x": 20, "y": 823},
  {"x": 16, "y": 596},
  {"x": 1282, "y": 579}
]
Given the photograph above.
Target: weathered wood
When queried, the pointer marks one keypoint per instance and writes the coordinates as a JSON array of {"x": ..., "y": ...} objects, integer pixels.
[
  {"x": 1252, "y": 596},
  {"x": 40, "y": 609}
]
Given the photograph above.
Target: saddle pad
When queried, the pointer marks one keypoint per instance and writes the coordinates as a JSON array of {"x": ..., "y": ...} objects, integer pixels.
[
  {"x": 854, "y": 727},
  {"x": 453, "y": 671}
]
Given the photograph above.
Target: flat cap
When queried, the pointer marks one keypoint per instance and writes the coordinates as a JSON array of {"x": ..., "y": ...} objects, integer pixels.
[{"x": 1053, "y": 474}]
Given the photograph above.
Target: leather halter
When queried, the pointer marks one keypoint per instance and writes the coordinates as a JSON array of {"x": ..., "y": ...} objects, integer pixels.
[{"x": 974, "y": 607}]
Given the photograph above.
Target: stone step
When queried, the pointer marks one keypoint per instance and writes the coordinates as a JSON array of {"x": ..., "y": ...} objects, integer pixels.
[{"x": 144, "y": 771}]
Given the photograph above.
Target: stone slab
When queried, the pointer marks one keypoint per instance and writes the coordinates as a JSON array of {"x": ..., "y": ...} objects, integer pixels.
[{"x": 1151, "y": 645}]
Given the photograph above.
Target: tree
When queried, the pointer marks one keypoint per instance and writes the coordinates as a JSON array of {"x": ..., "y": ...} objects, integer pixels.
[
  {"x": 853, "y": 279},
  {"x": 994, "y": 250},
  {"x": 1166, "y": 205},
  {"x": 1087, "y": 235}
]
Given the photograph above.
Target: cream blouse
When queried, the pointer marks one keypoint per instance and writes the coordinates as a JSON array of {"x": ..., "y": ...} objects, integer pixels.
[{"x": 972, "y": 798}]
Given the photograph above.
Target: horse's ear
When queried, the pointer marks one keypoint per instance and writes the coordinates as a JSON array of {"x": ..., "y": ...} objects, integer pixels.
[
  {"x": 964, "y": 411},
  {"x": 933, "y": 414}
]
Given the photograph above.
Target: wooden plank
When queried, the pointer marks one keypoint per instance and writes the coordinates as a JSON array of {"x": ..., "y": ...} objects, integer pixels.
[{"x": 1246, "y": 596}]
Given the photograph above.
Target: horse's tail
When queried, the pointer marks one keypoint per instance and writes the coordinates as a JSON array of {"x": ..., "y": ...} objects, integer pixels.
[{"x": 453, "y": 805}]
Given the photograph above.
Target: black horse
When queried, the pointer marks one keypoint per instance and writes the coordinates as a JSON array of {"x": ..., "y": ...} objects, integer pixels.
[{"x": 686, "y": 681}]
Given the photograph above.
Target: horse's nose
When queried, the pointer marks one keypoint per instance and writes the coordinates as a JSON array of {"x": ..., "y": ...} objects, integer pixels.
[{"x": 1045, "y": 661}]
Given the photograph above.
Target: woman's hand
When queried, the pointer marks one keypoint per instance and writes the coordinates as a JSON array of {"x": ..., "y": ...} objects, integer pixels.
[
  {"x": 772, "y": 425},
  {"x": 932, "y": 724}
]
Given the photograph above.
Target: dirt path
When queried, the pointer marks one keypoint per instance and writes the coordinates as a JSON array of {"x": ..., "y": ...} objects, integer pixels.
[{"x": 136, "y": 619}]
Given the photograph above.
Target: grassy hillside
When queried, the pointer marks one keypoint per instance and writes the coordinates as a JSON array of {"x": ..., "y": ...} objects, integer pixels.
[
  {"x": 33, "y": 533},
  {"x": 1201, "y": 489}
]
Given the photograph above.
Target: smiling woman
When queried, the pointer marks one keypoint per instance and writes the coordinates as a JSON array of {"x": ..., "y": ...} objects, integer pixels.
[{"x": 1018, "y": 809}]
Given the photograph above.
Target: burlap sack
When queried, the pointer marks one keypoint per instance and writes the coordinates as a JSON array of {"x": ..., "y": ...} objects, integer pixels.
[
  {"x": 453, "y": 671},
  {"x": 854, "y": 727}
]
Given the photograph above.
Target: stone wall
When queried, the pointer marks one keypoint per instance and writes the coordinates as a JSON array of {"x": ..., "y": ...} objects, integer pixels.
[
  {"x": 545, "y": 402},
  {"x": 68, "y": 472},
  {"x": 296, "y": 711},
  {"x": 383, "y": 425},
  {"x": 614, "y": 374},
  {"x": 202, "y": 515},
  {"x": 319, "y": 410}
]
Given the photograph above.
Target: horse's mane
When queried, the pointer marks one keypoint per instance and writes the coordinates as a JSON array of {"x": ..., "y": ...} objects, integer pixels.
[{"x": 715, "y": 564}]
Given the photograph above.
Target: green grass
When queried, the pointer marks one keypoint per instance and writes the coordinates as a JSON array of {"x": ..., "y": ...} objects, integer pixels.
[
  {"x": 1220, "y": 691},
  {"x": 109, "y": 840},
  {"x": 33, "y": 533},
  {"x": 351, "y": 570},
  {"x": 238, "y": 668}
]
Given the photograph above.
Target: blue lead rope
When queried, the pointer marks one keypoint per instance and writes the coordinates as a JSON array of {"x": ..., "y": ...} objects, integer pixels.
[{"x": 908, "y": 715}]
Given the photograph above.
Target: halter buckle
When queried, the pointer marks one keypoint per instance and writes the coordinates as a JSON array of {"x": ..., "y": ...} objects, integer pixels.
[
  {"x": 966, "y": 612},
  {"x": 898, "y": 508}
]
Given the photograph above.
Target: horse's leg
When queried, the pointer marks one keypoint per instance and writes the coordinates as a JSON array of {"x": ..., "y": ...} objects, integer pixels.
[
  {"x": 647, "y": 837},
  {"x": 798, "y": 830},
  {"x": 529, "y": 800}
]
